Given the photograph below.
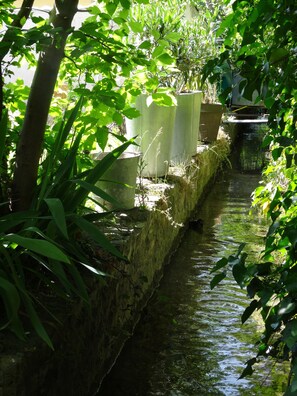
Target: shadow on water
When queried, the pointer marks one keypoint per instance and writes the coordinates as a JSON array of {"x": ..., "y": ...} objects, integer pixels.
[{"x": 190, "y": 340}]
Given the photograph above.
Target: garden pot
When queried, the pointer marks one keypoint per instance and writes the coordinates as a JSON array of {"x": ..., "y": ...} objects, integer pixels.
[
  {"x": 119, "y": 181},
  {"x": 196, "y": 119},
  {"x": 210, "y": 120},
  {"x": 154, "y": 128},
  {"x": 186, "y": 128}
]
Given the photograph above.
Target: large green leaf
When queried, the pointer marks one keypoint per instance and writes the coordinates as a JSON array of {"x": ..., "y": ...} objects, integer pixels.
[{"x": 39, "y": 246}]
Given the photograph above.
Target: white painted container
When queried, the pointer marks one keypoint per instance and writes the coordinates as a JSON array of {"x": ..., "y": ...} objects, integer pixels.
[{"x": 154, "y": 131}]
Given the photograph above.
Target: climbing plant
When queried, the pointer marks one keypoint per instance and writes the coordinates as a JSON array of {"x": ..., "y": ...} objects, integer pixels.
[{"x": 260, "y": 41}]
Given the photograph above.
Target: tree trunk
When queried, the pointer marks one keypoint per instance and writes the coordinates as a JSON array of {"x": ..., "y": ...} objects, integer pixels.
[
  {"x": 6, "y": 44},
  {"x": 30, "y": 143}
]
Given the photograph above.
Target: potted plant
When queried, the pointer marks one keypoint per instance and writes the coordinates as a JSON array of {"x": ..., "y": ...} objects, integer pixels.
[
  {"x": 204, "y": 18},
  {"x": 155, "y": 31},
  {"x": 211, "y": 115}
]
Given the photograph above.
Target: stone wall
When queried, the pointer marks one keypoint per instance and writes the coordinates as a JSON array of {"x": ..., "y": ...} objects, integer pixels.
[{"x": 88, "y": 340}]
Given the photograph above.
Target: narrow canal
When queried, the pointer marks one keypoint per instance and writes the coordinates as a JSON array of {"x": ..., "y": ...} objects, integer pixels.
[{"x": 190, "y": 341}]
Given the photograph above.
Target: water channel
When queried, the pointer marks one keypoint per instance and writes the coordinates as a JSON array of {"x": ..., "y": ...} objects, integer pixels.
[{"x": 190, "y": 341}]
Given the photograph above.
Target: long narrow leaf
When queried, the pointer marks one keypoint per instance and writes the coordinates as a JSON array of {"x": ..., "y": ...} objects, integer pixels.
[
  {"x": 97, "y": 191},
  {"x": 55, "y": 155},
  {"x": 11, "y": 220},
  {"x": 95, "y": 174},
  {"x": 35, "y": 320},
  {"x": 97, "y": 236},
  {"x": 66, "y": 128},
  {"x": 11, "y": 300},
  {"x": 39, "y": 246},
  {"x": 57, "y": 210},
  {"x": 3, "y": 133}
]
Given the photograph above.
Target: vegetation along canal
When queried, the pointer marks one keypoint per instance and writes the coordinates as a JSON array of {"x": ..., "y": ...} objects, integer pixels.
[{"x": 190, "y": 340}]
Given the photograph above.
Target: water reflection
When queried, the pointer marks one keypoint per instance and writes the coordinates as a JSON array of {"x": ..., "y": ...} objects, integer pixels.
[{"x": 190, "y": 341}]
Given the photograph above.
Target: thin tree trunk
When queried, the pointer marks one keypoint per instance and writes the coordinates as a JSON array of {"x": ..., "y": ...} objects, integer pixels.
[
  {"x": 30, "y": 144},
  {"x": 6, "y": 43}
]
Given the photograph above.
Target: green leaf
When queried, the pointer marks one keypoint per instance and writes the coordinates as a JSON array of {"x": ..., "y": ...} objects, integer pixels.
[
  {"x": 158, "y": 51},
  {"x": 3, "y": 133},
  {"x": 131, "y": 113},
  {"x": 125, "y": 3},
  {"x": 97, "y": 191},
  {"x": 94, "y": 232},
  {"x": 11, "y": 300},
  {"x": 118, "y": 118},
  {"x": 111, "y": 7},
  {"x": 102, "y": 136},
  {"x": 220, "y": 264},
  {"x": 269, "y": 102},
  {"x": 249, "y": 368},
  {"x": 163, "y": 99},
  {"x": 34, "y": 318},
  {"x": 249, "y": 311},
  {"x": 217, "y": 279},
  {"x": 39, "y": 246},
  {"x": 166, "y": 59},
  {"x": 136, "y": 27},
  {"x": 95, "y": 174},
  {"x": 239, "y": 270},
  {"x": 57, "y": 210},
  {"x": 145, "y": 45},
  {"x": 278, "y": 55},
  {"x": 173, "y": 37},
  {"x": 290, "y": 334}
]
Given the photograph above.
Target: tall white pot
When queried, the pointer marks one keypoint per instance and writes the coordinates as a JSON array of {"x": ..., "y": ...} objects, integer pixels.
[
  {"x": 186, "y": 129},
  {"x": 154, "y": 129},
  {"x": 196, "y": 119}
]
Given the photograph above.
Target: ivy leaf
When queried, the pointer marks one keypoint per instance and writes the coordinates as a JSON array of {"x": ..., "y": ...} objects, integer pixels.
[
  {"x": 217, "y": 279},
  {"x": 290, "y": 334},
  {"x": 249, "y": 311},
  {"x": 249, "y": 368},
  {"x": 220, "y": 264}
]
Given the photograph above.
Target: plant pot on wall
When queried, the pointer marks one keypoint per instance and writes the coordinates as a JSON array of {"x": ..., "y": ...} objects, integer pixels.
[
  {"x": 154, "y": 128},
  {"x": 119, "y": 181},
  {"x": 186, "y": 128},
  {"x": 210, "y": 120},
  {"x": 196, "y": 118}
]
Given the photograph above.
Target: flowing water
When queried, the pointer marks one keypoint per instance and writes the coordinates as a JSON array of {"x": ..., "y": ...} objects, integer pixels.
[{"x": 190, "y": 340}]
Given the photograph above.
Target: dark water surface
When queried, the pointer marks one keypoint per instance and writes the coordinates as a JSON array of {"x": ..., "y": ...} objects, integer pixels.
[{"x": 190, "y": 340}]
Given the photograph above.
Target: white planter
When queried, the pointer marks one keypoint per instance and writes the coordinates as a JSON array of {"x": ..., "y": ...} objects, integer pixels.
[
  {"x": 119, "y": 181},
  {"x": 154, "y": 129},
  {"x": 196, "y": 119},
  {"x": 186, "y": 129}
]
